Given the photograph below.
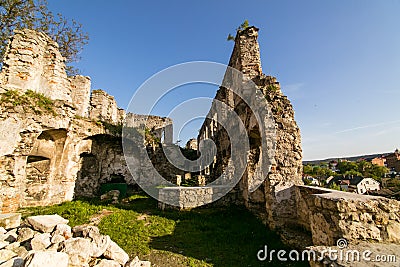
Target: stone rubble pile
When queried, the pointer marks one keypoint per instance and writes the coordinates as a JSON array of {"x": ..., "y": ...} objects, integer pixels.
[{"x": 48, "y": 241}]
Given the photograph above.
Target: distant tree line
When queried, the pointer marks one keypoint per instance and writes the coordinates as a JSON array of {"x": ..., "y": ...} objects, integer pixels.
[{"x": 347, "y": 168}]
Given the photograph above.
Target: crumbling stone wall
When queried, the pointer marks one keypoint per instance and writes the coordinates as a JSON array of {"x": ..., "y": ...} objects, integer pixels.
[
  {"x": 103, "y": 107},
  {"x": 102, "y": 161},
  {"x": 160, "y": 127},
  {"x": 273, "y": 200},
  {"x": 41, "y": 151},
  {"x": 303, "y": 215},
  {"x": 80, "y": 94},
  {"x": 33, "y": 62},
  {"x": 330, "y": 215}
]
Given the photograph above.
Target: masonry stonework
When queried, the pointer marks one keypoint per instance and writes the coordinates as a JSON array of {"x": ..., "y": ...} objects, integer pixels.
[
  {"x": 50, "y": 156},
  {"x": 273, "y": 200}
]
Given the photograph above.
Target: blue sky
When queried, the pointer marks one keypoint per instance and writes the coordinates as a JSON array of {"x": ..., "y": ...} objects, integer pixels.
[{"x": 338, "y": 61}]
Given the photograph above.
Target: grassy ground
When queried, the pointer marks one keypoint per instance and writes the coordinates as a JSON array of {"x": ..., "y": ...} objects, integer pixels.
[{"x": 200, "y": 237}]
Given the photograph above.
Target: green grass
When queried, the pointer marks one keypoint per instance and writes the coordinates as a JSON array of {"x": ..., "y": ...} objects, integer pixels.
[
  {"x": 201, "y": 237},
  {"x": 30, "y": 101}
]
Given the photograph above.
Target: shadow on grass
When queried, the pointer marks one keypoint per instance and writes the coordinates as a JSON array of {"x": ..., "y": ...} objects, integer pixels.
[
  {"x": 221, "y": 236},
  {"x": 228, "y": 236}
]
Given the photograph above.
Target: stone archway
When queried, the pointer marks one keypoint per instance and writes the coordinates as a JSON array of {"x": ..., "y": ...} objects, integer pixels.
[
  {"x": 101, "y": 163},
  {"x": 88, "y": 176}
]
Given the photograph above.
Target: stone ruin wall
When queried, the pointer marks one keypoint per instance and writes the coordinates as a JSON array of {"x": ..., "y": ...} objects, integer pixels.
[
  {"x": 303, "y": 215},
  {"x": 330, "y": 215},
  {"x": 51, "y": 157},
  {"x": 48, "y": 158},
  {"x": 272, "y": 200}
]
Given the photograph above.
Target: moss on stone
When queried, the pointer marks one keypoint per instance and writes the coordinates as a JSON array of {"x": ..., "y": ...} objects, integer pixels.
[{"x": 30, "y": 101}]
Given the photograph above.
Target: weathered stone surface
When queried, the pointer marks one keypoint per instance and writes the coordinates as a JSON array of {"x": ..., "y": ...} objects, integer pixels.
[
  {"x": 86, "y": 231},
  {"x": 41, "y": 241},
  {"x": 33, "y": 62},
  {"x": 393, "y": 231},
  {"x": 10, "y": 220},
  {"x": 6, "y": 254},
  {"x": 107, "y": 263},
  {"x": 273, "y": 200},
  {"x": 21, "y": 251},
  {"x": 63, "y": 230},
  {"x": 100, "y": 244},
  {"x": 55, "y": 239},
  {"x": 3, "y": 244},
  {"x": 103, "y": 107},
  {"x": 25, "y": 233},
  {"x": 13, "y": 246},
  {"x": 46, "y": 223},
  {"x": 357, "y": 254},
  {"x": 138, "y": 263},
  {"x": 79, "y": 251},
  {"x": 47, "y": 259},
  {"x": 14, "y": 262},
  {"x": 114, "y": 252},
  {"x": 80, "y": 94},
  {"x": 330, "y": 215}
]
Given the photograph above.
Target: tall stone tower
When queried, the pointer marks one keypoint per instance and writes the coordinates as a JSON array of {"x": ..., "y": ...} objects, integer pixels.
[{"x": 274, "y": 200}]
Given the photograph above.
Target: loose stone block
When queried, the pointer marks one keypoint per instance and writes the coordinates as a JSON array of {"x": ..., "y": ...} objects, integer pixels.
[
  {"x": 114, "y": 252},
  {"x": 6, "y": 254},
  {"x": 46, "y": 223},
  {"x": 10, "y": 220},
  {"x": 47, "y": 259},
  {"x": 41, "y": 241},
  {"x": 107, "y": 263},
  {"x": 79, "y": 251}
]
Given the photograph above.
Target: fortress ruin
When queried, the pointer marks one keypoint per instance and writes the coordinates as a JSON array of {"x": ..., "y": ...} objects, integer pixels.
[{"x": 50, "y": 155}]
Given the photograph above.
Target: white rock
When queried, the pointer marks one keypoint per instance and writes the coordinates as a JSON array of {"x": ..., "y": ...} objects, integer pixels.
[
  {"x": 10, "y": 220},
  {"x": 21, "y": 251},
  {"x": 63, "y": 230},
  {"x": 14, "y": 262},
  {"x": 13, "y": 246},
  {"x": 138, "y": 263},
  {"x": 79, "y": 251},
  {"x": 86, "y": 231},
  {"x": 114, "y": 252},
  {"x": 54, "y": 247},
  {"x": 2, "y": 230},
  {"x": 46, "y": 223},
  {"x": 6, "y": 254},
  {"x": 4, "y": 244},
  {"x": 100, "y": 245},
  {"x": 55, "y": 239},
  {"x": 107, "y": 263},
  {"x": 25, "y": 234},
  {"x": 46, "y": 259},
  {"x": 41, "y": 241}
]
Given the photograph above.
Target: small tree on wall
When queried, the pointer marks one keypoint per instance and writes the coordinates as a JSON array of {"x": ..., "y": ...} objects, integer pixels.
[{"x": 242, "y": 26}]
